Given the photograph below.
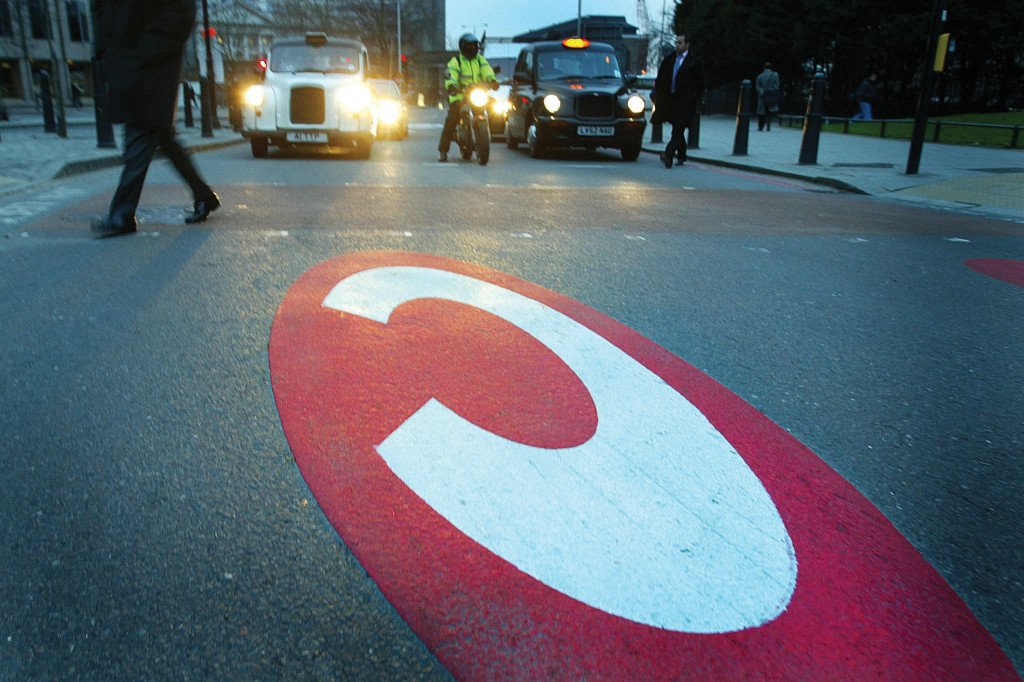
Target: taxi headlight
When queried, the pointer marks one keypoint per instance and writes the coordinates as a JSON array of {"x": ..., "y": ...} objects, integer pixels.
[
  {"x": 635, "y": 104},
  {"x": 500, "y": 107},
  {"x": 478, "y": 97},
  {"x": 255, "y": 95},
  {"x": 389, "y": 112},
  {"x": 552, "y": 103},
  {"x": 356, "y": 98}
]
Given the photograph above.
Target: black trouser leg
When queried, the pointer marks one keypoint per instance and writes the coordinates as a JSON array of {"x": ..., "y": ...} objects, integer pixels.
[
  {"x": 768, "y": 119},
  {"x": 139, "y": 146},
  {"x": 450, "y": 122},
  {"x": 677, "y": 143},
  {"x": 183, "y": 164},
  {"x": 760, "y": 121}
]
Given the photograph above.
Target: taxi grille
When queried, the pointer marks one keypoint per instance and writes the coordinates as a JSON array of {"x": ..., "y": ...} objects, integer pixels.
[
  {"x": 307, "y": 105},
  {"x": 595, "y": 106}
]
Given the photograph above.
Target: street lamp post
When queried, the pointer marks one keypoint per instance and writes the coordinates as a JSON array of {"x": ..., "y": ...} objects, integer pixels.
[
  {"x": 398, "y": 21},
  {"x": 209, "y": 97}
]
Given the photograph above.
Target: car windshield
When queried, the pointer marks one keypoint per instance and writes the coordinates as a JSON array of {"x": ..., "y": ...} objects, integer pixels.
[
  {"x": 384, "y": 88},
  {"x": 569, "y": 64},
  {"x": 323, "y": 59}
]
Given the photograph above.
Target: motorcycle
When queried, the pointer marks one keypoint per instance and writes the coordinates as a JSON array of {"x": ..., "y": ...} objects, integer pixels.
[{"x": 473, "y": 132}]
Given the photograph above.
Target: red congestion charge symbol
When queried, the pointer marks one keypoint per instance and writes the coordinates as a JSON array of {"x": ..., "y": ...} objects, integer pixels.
[
  {"x": 1011, "y": 271},
  {"x": 544, "y": 493}
]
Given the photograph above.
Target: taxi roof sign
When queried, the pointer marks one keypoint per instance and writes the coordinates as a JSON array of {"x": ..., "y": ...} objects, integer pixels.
[
  {"x": 316, "y": 38},
  {"x": 576, "y": 43}
]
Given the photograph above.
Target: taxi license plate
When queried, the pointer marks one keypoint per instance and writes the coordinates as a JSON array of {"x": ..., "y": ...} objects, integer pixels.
[
  {"x": 597, "y": 131},
  {"x": 307, "y": 137}
]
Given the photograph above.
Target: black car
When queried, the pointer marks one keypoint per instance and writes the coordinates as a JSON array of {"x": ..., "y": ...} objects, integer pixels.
[{"x": 573, "y": 94}]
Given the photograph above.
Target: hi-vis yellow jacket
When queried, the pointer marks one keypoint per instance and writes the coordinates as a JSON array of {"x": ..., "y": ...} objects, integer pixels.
[{"x": 463, "y": 72}]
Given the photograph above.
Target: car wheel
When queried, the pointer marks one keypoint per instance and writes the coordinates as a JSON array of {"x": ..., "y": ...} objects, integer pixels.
[
  {"x": 536, "y": 147},
  {"x": 630, "y": 152},
  {"x": 259, "y": 148},
  {"x": 510, "y": 142},
  {"x": 362, "y": 149}
]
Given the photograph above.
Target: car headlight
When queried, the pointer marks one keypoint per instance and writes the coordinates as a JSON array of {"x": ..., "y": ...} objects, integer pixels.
[
  {"x": 255, "y": 95},
  {"x": 635, "y": 104},
  {"x": 500, "y": 107},
  {"x": 356, "y": 98},
  {"x": 478, "y": 97},
  {"x": 552, "y": 103},
  {"x": 389, "y": 112}
]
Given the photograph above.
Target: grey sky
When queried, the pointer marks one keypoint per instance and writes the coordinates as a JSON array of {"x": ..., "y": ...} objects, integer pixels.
[{"x": 507, "y": 18}]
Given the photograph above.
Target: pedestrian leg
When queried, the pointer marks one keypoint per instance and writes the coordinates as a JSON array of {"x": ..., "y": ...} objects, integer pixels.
[
  {"x": 183, "y": 164},
  {"x": 139, "y": 146}
]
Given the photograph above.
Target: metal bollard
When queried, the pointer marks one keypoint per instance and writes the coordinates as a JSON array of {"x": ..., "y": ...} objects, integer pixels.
[
  {"x": 693, "y": 132},
  {"x": 739, "y": 145},
  {"x": 49, "y": 122},
  {"x": 812, "y": 121}
]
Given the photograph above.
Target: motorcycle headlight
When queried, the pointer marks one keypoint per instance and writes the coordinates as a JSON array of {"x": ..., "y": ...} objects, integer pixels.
[
  {"x": 552, "y": 103},
  {"x": 356, "y": 98},
  {"x": 478, "y": 97},
  {"x": 635, "y": 104},
  {"x": 389, "y": 112},
  {"x": 500, "y": 107},
  {"x": 255, "y": 95}
]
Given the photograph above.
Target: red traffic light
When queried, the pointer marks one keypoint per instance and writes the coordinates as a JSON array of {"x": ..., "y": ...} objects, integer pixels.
[
  {"x": 262, "y": 63},
  {"x": 212, "y": 32},
  {"x": 405, "y": 58}
]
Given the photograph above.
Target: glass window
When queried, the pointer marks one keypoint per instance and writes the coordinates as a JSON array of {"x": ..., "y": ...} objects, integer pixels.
[
  {"x": 78, "y": 23},
  {"x": 323, "y": 59},
  {"x": 385, "y": 88},
  {"x": 37, "y": 17},
  {"x": 6, "y": 26},
  {"x": 581, "y": 63}
]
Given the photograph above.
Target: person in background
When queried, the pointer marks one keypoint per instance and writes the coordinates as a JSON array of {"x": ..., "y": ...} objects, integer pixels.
[
  {"x": 865, "y": 95},
  {"x": 769, "y": 92},
  {"x": 140, "y": 44},
  {"x": 677, "y": 92}
]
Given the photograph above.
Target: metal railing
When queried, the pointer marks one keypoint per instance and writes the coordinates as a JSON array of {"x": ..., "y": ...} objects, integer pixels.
[{"x": 935, "y": 126}]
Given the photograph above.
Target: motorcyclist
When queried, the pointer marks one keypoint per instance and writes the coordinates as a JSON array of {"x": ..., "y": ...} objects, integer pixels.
[{"x": 465, "y": 68}]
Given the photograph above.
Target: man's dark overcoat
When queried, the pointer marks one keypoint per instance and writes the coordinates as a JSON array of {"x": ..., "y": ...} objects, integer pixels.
[
  {"x": 140, "y": 44},
  {"x": 681, "y": 106}
]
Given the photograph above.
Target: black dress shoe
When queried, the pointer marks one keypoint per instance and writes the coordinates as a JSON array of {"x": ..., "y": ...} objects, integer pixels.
[
  {"x": 108, "y": 227},
  {"x": 203, "y": 208},
  {"x": 666, "y": 160}
]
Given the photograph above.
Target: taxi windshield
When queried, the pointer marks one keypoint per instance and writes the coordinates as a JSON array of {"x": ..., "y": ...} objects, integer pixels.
[
  {"x": 569, "y": 64},
  {"x": 323, "y": 59}
]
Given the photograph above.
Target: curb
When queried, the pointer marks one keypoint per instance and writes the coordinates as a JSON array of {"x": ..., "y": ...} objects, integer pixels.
[
  {"x": 115, "y": 159},
  {"x": 816, "y": 179}
]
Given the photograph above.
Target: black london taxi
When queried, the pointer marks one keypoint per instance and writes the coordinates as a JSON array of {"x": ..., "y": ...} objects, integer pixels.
[{"x": 573, "y": 94}]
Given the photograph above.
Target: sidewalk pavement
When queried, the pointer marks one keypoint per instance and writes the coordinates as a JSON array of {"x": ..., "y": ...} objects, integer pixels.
[
  {"x": 29, "y": 156},
  {"x": 980, "y": 180}
]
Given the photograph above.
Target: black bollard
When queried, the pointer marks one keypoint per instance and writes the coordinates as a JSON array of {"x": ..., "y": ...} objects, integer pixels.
[
  {"x": 49, "y": 122},
  {"x": 812, "y": 121},
  {"x": 739, "y": 145},
  {"x": 693, "y": 132},
  {"x": 186, "y": 95},
  {"x": 104, "y": 130}
]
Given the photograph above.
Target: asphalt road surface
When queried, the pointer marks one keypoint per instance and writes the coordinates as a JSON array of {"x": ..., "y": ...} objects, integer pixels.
[{"x": 154, "y": 522}]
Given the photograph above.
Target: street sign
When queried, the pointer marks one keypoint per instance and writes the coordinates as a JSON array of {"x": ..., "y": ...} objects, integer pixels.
[{"x": 544, "y": 493}]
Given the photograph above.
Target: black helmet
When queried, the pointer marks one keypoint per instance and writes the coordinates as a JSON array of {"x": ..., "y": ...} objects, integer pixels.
[{"x": 469, "y": 44}]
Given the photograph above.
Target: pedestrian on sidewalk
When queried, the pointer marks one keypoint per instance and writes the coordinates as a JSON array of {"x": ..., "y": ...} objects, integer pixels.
[
  {"x": 677, "y": 92},
  {"x": 139, "y": 45},
  {"x": 769, "y": 92},
  {"x": 865, "y": 95}
]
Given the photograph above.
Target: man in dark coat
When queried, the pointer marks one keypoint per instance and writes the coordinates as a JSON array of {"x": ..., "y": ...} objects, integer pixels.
[
  {"x": 140, "y": 44},
  {"x": 678, "y": 90}
]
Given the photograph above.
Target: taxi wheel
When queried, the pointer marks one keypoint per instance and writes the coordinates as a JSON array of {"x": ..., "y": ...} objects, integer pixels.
[
  {"x": 630, "y": 153},
  {"x": 259, "y": 148},
  {"x": 537, "y": 149},
  {"x": 510, "y": 142}
]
